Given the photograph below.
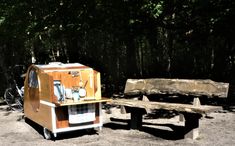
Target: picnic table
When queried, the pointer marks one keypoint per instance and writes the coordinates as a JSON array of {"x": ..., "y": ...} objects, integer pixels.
[{"x": 142, "y": 88}]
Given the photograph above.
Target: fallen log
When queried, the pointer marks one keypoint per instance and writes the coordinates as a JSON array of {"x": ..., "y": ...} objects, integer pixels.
[{"x": 207, "y": 88}]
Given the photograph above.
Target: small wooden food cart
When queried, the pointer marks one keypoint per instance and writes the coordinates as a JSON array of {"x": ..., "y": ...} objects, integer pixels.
[{"x": 63, "y": 97}]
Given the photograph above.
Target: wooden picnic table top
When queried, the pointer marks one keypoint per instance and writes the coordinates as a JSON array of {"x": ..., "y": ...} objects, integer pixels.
[
  {"x": 150, "y": 105},
  {"x": 72, "y": 102}
]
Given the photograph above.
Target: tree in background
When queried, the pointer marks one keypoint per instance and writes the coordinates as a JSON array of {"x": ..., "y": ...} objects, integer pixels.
[{"x": 122, "y": 39}]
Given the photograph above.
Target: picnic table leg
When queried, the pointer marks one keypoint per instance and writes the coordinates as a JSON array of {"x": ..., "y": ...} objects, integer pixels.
[
  {"x": 123, "y": 109},
  {"x": 191, "y": 125},
  {"x": 196, "y": 102},
  {"x": 181, "y": 118},
  {"x": 136, "y": 118}
]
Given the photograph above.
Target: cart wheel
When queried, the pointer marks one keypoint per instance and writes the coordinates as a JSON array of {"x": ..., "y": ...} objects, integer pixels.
[
  {"x": 47, "y": 134},
  {"x": 90, "y": 130},
  {"x": 15, "y": 102},
  {"x": 9, "y": 97}
]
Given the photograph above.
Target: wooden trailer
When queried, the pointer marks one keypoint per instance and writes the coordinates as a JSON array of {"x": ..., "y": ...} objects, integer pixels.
[{"x": 63, "y": 97}]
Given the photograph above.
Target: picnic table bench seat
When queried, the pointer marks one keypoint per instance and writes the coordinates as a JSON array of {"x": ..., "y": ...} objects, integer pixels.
[{"x": 191, "y": 112}]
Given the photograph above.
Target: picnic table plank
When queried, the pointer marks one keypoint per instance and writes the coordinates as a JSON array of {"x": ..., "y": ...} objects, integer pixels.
[
  {"x": 192, "y": 113},
  {"x": 150, "y": 86},
  {"x": 150, "y": 105}
]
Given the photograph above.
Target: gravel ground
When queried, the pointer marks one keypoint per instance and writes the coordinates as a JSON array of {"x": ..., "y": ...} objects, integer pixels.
[{"x": 217, "y": 129}]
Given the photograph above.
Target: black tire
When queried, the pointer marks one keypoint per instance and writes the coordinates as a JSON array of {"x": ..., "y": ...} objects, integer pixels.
[
  {"x": 18, "y": 106},
  {"x": 9, "y": 97},
  {"x": 47, "y": 133},
  {"x": 14, "y": 101}
]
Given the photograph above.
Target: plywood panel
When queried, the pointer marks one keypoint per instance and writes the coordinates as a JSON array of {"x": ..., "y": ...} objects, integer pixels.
[
  {"x": 46, "y": 87},
  {"x": 55, "y": 75},
  {"x": 42, "y": 117},
  {"x": 87, "y": 77},
  {"x": 62, "y": 117},
  {"x": 69, "y": 81},
  {"x": 97, "y": 85},
  {"x": 97, "y": 114},
  {"x": 33, "y": 110}
]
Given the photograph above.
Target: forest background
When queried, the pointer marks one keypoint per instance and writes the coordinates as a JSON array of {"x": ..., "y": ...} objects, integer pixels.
[{"x": 188, "y": 39}]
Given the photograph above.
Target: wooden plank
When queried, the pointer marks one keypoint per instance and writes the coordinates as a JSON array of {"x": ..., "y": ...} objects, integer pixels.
[
  {"x": 203, "y": 109},
  {"x": 97, "y": 85},
  {"x": 46, "y": 88},
  {"x": 42, "y": 117},
  {"x": 72, "y": 102},
  {"x": 62, "y": 117},
  {"x": 176, "y": 86}
]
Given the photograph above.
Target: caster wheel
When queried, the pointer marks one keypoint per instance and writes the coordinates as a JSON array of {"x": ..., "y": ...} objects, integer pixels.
[
  {"x": 90, "y": 130},
  {"x": 47, "y": 134}
]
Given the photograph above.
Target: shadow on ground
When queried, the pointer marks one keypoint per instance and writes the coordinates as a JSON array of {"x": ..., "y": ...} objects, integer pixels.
[
  {"x": 175, "y": 133},
  {"x": 64, "y": 135}
]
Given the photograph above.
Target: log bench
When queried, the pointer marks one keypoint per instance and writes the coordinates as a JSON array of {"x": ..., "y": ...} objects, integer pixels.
[{"x": 191, "y": 112}]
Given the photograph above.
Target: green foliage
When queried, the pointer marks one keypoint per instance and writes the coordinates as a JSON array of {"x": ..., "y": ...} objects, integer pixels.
[
  {"x": 123, "y": 39},
  {"x": 153, "y": 7}
]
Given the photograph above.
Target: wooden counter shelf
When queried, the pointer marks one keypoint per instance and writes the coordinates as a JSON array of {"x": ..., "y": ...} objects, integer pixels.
[{"x": 83, "y": 101}]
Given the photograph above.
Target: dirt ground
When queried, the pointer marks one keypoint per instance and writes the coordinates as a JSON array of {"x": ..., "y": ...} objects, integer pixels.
[{"x": 216, "y": 129}]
